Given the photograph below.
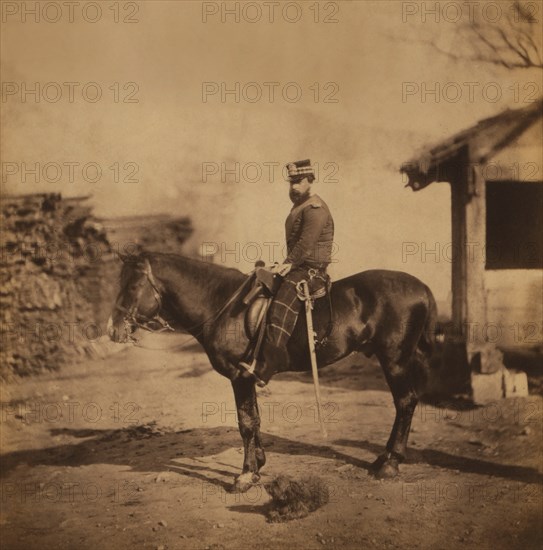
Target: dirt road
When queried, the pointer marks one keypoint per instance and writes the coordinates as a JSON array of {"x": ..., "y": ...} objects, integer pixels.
[{"x": 139, "y": 450}]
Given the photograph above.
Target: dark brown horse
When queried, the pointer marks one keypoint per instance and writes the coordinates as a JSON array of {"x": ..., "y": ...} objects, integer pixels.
[{"x": 387, "y": 313}]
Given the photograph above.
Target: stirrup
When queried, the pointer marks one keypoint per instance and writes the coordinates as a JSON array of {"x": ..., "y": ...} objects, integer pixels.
[{"x": 250, "y": 369}]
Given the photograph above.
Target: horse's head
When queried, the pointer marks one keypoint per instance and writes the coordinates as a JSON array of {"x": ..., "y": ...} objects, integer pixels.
[{"x": 138, "y": 301}]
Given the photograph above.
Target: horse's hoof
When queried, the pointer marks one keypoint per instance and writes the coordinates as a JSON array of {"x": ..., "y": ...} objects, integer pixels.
[
  {"x": 388, "y": 470},
  {"x": 379, "y": 461},
  {"x": 244, "y": 482}
]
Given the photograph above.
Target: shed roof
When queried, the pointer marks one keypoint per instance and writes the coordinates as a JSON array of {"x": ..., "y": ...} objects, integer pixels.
[{"x": 484, "y": 140}]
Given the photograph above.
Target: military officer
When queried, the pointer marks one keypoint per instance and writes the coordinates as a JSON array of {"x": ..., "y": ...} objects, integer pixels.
[{"x": 309, "y": 234}]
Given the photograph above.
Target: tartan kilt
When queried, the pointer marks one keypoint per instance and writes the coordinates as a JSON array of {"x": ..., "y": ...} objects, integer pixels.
[{"x": 286, "y": 307}]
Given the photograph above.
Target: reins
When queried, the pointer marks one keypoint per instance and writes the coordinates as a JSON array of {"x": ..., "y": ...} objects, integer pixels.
[
  {"x": 232, "y": 299},
  {"x": 133, "y": 317}
]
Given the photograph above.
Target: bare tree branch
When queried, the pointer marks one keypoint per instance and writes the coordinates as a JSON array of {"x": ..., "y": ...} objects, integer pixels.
[{"x": 514, "y": 41}]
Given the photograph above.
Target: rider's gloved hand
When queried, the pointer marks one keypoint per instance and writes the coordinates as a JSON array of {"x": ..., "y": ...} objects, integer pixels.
[{"x": 281, "y": 269}]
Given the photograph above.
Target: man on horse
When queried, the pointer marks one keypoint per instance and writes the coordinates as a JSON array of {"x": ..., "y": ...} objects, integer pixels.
[
  {"x": 309, "y": 235},
  {"x": 389, "y": 314}
]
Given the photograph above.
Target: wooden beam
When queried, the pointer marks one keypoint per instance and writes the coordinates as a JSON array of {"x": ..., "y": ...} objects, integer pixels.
[
  {"x": 469, "y": 315},
  {"x": 482, "y": 355}
]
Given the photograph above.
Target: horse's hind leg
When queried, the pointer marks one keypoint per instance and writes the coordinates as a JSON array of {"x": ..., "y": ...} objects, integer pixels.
[
  {"x": 402, "y": 385},
  {"x": 249, "y": 428}
]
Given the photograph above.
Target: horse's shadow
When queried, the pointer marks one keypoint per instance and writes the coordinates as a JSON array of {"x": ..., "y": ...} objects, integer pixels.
[
  {"x": 146, "y": 449},
  {"x": 463, "y": 464}
]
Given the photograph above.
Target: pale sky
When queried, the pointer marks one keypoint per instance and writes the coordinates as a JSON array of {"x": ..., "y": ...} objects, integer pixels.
[{"x": 364, "y": 60}]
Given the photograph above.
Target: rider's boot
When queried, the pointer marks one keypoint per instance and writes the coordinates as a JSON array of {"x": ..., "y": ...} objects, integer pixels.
[{"x": 275, "y": 360}]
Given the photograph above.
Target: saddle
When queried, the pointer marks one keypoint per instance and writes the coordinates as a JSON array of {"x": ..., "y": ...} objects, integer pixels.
[{"x": 264, "y": 286}]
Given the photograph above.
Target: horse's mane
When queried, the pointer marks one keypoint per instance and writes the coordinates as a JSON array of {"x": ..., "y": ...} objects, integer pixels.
[
  {"x": 195, "y": 265},
  {"x": 220, "y": 281}
]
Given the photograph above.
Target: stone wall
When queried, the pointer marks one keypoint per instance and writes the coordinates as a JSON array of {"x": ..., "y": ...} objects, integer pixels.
[
  {"x": 52, "y": 280},
  {"x": 59, "y": 276}
]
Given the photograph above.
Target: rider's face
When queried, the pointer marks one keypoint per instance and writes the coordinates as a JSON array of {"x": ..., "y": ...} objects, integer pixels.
[{"x": 299, "y": 189}]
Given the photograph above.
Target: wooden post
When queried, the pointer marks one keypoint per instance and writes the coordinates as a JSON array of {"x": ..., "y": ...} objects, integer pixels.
[
  {"x": 458, "y": 232},
  {"x": 468, "y": 204},
  {"x": 456, "y": 374},
  {"x": 478, "y": 351}
]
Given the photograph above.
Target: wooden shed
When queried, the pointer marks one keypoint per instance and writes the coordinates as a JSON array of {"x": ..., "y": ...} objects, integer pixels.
[{"x": 495, "y": 174}]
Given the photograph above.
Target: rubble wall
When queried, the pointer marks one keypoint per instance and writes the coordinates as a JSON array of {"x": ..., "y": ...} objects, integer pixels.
[
  {"x": 59, "y": 276},
  {"x": 56, "y": 272}
]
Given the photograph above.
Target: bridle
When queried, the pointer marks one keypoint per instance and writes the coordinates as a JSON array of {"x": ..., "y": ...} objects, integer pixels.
[
  {"x": 157, "y": 324},
  {"x": 133, "y": 318}
]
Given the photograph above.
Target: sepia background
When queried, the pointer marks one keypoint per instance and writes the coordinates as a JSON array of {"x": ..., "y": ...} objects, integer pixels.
[{"x": 149, "y": 124}]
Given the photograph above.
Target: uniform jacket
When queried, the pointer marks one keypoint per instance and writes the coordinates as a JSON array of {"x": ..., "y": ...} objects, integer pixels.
[{"x": 310, "y": 233}]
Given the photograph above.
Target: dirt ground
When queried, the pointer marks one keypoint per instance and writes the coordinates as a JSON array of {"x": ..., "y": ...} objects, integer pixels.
[{"x": 139, "y": 450}]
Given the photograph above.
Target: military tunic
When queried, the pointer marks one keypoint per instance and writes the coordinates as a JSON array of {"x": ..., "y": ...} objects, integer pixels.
[{"x": 309, "y": 234}]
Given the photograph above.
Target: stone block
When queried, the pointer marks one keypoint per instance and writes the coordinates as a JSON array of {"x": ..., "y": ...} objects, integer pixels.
[
  {"x": 487, "y": 387},
  {"x": 486, "y": 359},
  {"x": 515, "y": 383}
]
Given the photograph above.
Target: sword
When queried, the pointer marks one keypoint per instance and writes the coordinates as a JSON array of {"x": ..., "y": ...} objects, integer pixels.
[{"x": 304, "y": 294}]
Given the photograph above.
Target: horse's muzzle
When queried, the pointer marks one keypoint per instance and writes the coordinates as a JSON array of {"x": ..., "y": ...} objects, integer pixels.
[{"x": 120, "y": 334}]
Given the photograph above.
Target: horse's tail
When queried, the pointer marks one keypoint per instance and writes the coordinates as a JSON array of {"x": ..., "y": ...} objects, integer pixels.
[{"x": 432, "y": 332}]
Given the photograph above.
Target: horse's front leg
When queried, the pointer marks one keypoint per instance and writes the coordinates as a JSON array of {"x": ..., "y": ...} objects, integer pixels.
[{"x": 249, "y": 428}]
